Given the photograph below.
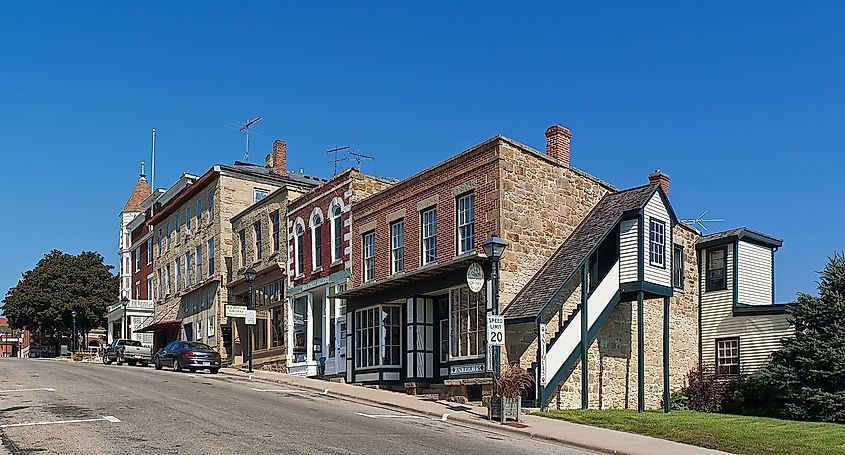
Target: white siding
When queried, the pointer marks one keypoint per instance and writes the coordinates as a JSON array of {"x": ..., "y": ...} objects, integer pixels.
[
  {"x": 654, "y": 274},
  {"x": 755, "y": 274},
  {"x": 759, "y": 335},
  {"x": 628, "y": 251}
]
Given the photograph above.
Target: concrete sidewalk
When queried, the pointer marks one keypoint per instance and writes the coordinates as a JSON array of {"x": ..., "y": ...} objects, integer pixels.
[{"x": 588, "y": 437}]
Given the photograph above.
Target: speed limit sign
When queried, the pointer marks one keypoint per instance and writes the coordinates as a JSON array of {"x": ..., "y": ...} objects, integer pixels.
[{"x": 495, "y": 330}]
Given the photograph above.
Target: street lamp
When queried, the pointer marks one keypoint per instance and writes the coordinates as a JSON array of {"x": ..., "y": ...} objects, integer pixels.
[
  {"x": 250, "y": 277},
  {"x": 494, "y": 247},
  {"x": 124, "y": 302},
  {"x": 73, "y": 343}
]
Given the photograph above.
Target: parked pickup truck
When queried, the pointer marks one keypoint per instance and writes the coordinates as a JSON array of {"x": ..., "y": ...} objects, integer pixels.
[{"x": 129, "y": 351}]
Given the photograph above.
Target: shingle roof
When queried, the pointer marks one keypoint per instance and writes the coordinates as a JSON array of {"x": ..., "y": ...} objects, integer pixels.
[
  {"x": 574, "y": 251},
  {"x": 742, "y": 233},
  {"x": 142, "y": 191}
]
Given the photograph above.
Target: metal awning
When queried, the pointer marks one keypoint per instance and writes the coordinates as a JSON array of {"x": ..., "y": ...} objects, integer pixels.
[
  {"x": 160, "y": 325},
  {"x": 399, "y": 280}
]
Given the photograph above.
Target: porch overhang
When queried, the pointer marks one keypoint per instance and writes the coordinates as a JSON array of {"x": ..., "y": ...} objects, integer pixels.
[{"x": 159, "y": 326}]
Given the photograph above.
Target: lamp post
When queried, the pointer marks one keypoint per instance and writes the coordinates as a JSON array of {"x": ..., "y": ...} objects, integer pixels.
[
  {"x": 250, "y": 277},
  {"x": 494, "y": 247},
  {"x": 73, "y": 343},
  {"x": 124, "y": 333}
]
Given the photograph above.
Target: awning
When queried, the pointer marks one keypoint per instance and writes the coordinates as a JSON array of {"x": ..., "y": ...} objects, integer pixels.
[
  {"x": 400, "y": 280},
  {"x": 160, "y": 325}
]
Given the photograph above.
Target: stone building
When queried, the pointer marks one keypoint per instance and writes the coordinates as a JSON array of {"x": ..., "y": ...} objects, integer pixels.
[
  {"x": 193, "y": 249},
  {"x": 319, "y": 250}
]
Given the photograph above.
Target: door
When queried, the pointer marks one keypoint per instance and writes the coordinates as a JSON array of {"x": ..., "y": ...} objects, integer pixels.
[{"x": 189, "y": 332}]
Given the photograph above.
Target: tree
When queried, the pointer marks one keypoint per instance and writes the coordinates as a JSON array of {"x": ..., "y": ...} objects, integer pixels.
[
  {"x": 807, "y": 375},
  {"x": 59, "y": 284}
]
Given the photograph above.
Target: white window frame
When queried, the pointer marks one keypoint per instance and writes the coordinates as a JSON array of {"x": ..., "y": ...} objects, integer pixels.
[
  {"x": 428, "y": 235},
  {"x": 657, "y": 242},
  {"x": 397, "y": 246},
  {"x": 465, "y": 222},
  {"x": 178, "y": 273},
  {"x": 368, "y": 255},
  {"x": 316, "y": 243},
  {"x": 298, "y": 246},
  {"x": 198, "y": 329},
  {"x": 259, "y": 194},
  {"x": 728, "y": 349},
  {"x": 150, "y": 287},
  {"x": 337, "y": 231},
  {"x": 210, "y": 327},
  {"x": 149, "y": 251},
  {"x": 480, "y": 329},
  {"x": 188, "y": 267},
  {"x": 137, "y": 253},
  {"x": 167, "y": 277},
  {"x": 375, "y": 329}
]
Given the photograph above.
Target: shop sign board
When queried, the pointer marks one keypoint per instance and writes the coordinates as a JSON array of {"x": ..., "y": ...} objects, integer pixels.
[
  {"x": 235, "y": 311},
  {"x": 249, "y": 316},
  {"x": 475, "y": 277},
  {"x": 466, "y": 369}
]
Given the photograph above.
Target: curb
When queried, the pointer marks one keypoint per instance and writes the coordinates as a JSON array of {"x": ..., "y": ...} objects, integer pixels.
[{"x": 453, "y": 417}]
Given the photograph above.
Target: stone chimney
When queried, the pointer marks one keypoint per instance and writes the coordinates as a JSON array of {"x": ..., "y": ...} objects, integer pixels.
[
  {"x": 557, "y": 143},
  {"x": 280, "y": 154},
  {"x": 659, "y": 178}
]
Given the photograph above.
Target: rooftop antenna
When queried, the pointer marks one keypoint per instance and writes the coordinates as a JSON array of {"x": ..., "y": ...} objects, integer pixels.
[
  {"x": 359, "y": 157},
  {"x": 152, "y": 169},
  {"x": 247, "y": 129},
  {"x": 337, "y": 159},
  {"x": 700, "y": 220}
]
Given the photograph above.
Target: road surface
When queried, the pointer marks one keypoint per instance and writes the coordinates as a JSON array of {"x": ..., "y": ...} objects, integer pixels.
[{"x": 54, "y": 407}]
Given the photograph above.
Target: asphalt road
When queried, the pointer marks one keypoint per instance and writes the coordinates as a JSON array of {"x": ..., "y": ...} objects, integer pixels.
[{"x": 134, "y": 410}]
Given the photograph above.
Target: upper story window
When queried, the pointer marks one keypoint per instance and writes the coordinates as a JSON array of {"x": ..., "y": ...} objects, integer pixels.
[
  {"x": 242, "y": 246},
  {"x": 259, "y": 246},
  {"x": 150, "y": 288},
  {"x": 167, "y": 278},
  {"x": 275, "y": 222},
  {"x": 397, "y": 247},
  {"x": 189, "y": 265},
  {"x": 657, "y": 242},
  {"x": 260, "y": 194},
  {"x": 317, "y": 241},
  {"x": 159, "y": 240},
  {"x": 299, "y": 246},
  {"x": 178, "y": 224},
  {"x": 210, "y": 257},
  {"x": 160, "y": 284},
  {"x": 210, "y": 205},
  {"x": 337, "y": 233},
  {"x": 717, "y": 269},
  {"x": 149, "y": 251},
  {"x": 198, "y": 254},
  {"x": 727, "y": 356},
  {"x": 466, "y": 223},
  {"x": 178, "y": 273},
  {"x": 199, "y": 211},
  {"x": 137, "y": 254},
  {"x": 369, "y": 256},
  {"x": 188, "y": 217},
  {"x": 678, "y": 266},
  {"x": 167, "y": 239},
  {"x": 429, "y": 235}
]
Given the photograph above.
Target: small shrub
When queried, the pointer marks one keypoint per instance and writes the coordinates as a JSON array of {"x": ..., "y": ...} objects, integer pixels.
[
  {"x": 77, "y": 356},
  {"x": 753, "y": 395},
  {"x": 513, "y": 381},
  {"x": 678, "y": 401},
  {"x": 705, "y": 389}
]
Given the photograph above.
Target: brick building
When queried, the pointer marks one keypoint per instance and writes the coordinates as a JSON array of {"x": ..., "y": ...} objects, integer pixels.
[
  {"x": 193, "y": 249},
  {"x": 319, "y": 250}
]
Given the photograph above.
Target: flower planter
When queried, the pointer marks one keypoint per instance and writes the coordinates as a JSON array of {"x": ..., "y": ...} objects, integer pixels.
[{"x": 503, "y": 408}]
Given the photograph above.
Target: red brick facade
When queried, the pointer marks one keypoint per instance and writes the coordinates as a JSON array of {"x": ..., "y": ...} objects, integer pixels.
[{"x": 139, "y": 244}]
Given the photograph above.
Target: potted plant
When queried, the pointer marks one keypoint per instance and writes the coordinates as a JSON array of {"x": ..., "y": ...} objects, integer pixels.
[{"x": 507, "y": 393}]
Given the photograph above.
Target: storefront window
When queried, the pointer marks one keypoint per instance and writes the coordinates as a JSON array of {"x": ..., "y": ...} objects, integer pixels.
[
  {"x": 378, "y": 336},
  {"x": 300, "y": 308},
  {"x": 260, "y": 334},
  {"x": 468, "y": 314},
  {"x": 277, "y": 326}
]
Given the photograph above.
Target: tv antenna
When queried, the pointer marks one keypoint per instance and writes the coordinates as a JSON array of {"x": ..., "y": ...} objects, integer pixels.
[
  {"x": 247, "y": 129},
  {"x": 700, "y": 220},
  {"x": 337, "y": 159},
  {"x": 359, "y": 157}
]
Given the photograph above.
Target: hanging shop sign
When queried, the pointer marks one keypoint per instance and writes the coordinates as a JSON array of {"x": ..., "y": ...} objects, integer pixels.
[{"x": 475, "y": 277}]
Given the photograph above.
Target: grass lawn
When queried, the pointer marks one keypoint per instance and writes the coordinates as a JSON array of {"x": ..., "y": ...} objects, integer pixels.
[{"x": 731, "y": 433}]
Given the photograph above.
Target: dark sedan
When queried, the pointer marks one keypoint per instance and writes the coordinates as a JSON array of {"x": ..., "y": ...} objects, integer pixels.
[{"x": 188, "y": 355}]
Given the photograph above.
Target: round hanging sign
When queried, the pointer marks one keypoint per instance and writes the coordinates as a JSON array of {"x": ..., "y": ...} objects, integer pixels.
[{"x": 475, "y": 277}]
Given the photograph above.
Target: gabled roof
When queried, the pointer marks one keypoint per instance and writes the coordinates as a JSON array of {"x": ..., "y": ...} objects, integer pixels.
[
  {"x": 139, "y": 194},
  {"x": 534, "y": 296},
  {"x": 733, "y": 235}
]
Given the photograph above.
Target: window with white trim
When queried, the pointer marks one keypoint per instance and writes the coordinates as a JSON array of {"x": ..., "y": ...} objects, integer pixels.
[
  {"x": 199, "y": 329},
  {"x": 397, "y": 246},
  {"x": 188, "y": 266},
  {"x": 259, "y": 244},
  {"x": 465, "y": 219},
  {"x": 198, "y": 260},
  {"x": 167, "y": 277},
  {"x": 149, "y": 251},
  {"x": 210, "y": 326},
  {"x": 378, "y": 336},
  {"x": 137, "y": 254},
  {"x": 178, "y": 273},
  {"x": 657, "y": 242},
  {"x": 317, "y": 242},
  {"x": 337, "y": 233},
  {"x": 727, "y": 356},
  {"x": 160, "y": 284},
  {"x": 299, "y": 245},
  {"x": 149, "y": 288},
  {"x": 468, "y": 322},
  {"x": 369, "y": 256},
  {"x": 429, "y": 235},
  {"x": 260, "y": 194}
]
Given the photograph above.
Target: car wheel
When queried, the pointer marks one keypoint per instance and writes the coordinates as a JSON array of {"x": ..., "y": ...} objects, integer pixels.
[
  {"x": 106, "y": 360},
  {"x": 212, "y": 370},
  {"x": 176, "y": 366},
  {"x": 157, "y": 364},
  {"x": 120, "y": 360}
]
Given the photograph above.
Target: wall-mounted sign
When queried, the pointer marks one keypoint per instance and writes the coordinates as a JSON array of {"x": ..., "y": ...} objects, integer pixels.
[
  {"x": 235, "y": 311},
  {"x": 466, "y": 369},
  {"x": 495, "y": 330},
  {"x": 475, "y": 277},
  {"x": 249, "y": 316},
  {"x": 543, "y": 354}
]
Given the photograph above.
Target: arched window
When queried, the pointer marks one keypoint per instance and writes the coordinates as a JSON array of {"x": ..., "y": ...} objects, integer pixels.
[
  {"x": 300, "y": 249},
  {"x": 317, "y": 241},
  {"x": 337, "y": 233}
]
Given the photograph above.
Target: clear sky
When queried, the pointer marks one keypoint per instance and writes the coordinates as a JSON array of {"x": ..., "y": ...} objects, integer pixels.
[{"x": 741, "y": 103}]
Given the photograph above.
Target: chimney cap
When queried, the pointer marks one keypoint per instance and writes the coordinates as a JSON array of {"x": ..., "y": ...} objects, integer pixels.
[{"x": 558, "y": 129}]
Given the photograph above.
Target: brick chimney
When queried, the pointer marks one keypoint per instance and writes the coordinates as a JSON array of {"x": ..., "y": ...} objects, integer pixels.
[
  {"x": 659, "y": 178},
  {"x": 557, "y": 143},
  {"x": 280, "y": 155}
]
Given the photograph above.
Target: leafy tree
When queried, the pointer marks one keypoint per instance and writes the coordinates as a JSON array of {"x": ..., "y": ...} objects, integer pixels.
[
  {"x": 59, "y": 284},
  {"x": 807, "y": 376}
]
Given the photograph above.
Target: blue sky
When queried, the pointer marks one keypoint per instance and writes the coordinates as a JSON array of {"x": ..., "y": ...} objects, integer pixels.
[{"x": 741, "y": 104}]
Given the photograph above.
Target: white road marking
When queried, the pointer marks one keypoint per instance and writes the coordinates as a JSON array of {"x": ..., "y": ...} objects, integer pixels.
[
  {"x": 445, "y": 416},
  {"x": 46, "y": 389},
  {"x": 389, "y": 416},
  {"x": 110, "y": 419},
  {"x": 326, "y": 392},
  {"x": 275, "y": 390},
  {"x": 191, "y": 375}
]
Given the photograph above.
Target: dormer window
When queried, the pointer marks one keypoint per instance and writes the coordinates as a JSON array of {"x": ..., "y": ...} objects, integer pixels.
[
  {"x": 717, "y": 269},
  {"x": 657, "y": 243}
]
